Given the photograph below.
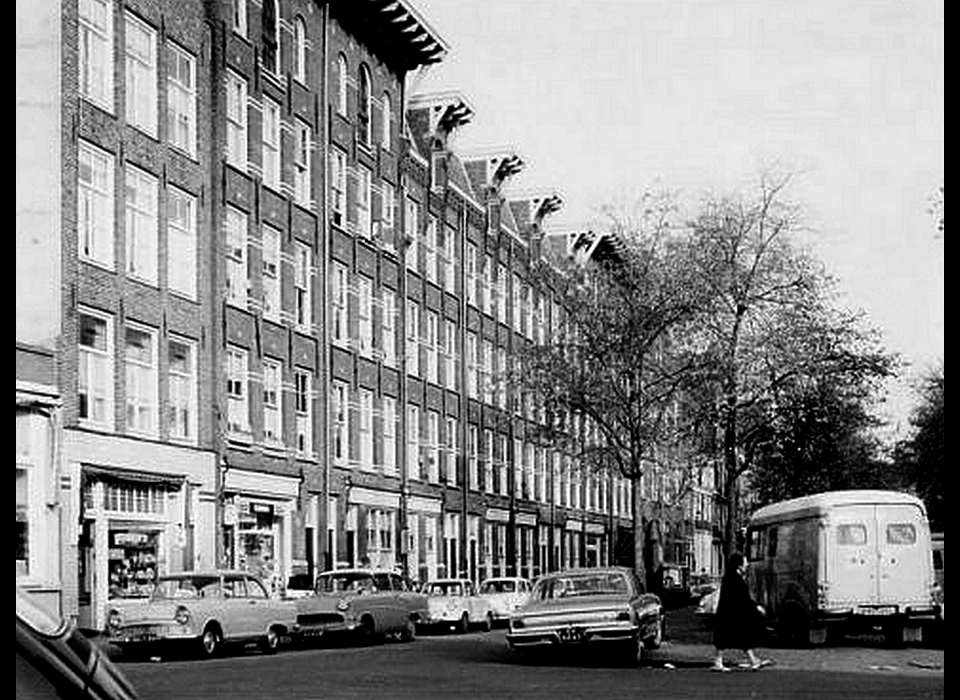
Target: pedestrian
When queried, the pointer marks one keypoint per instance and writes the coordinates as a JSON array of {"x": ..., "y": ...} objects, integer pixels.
[{"x": 738, "y": 623}]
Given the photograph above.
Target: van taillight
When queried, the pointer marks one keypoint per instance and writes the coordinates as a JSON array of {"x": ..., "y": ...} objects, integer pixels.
[{"x": 822, "y": 590}]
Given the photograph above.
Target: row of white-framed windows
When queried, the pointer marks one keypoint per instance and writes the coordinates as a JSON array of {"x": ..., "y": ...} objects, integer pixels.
[
  {"x": 389, "y": 456},
  {"x": 364, "y": 216},
  {"x": 432, "y": 346},
  {"x": 449, "y": 260},
  {"x": 472, "y": 369},
  {"x": 95, "y": 381},
  {"x": 96, "y": 51},
  {"x": 413, "y": 442},
  {"x": 303, "y": 409},
  {"x": 473, "y": 456},
  {"x": 182, "y": 378},
  {"x": 270, "y": 138},
  {"x": 182, "y": 242},
  {"x": 301, "y": 164},
  {"x": 140, "y": 356},
  {"x": 381, "y": 534},
  {"x": 141, "y": 50},
  {"x": 431, "y": 250},
  {"x": 432, "y": 447},
  {"x": 471, "y": 274},
  {"x": 338, "y": 302},
  {"x": 452, "y": 452},
  {"x": 338, "y": 187},
  {"x": 142, "y": 225},
  {"x": 388, "y": 326},
  {"x": 272, "y": 402},
  {"x": 412, "y": 232},
  {"x": 302, "y": 277},
  {"x": 366, "y": 429},
  {"x": 450, "y": 354},
  {"x": 236, "y": 120},
  {"x": 238, "y": 407},
  {"x": 95, "y": 204},
  {"x": 236, "y": 233},
  {"x": 182, "y": 100},
  {"x": 271, "y": 273},
  {"x": 488, "y": 465},
  {"x": 365, "y": 314},
  {"x": 502, "y": 294},
  {"x": 413, "y": 338},
  {"x": 340, "y": 419}
]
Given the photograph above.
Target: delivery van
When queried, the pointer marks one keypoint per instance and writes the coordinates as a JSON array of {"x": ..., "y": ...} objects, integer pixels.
[{"x": 844, "y": 561}]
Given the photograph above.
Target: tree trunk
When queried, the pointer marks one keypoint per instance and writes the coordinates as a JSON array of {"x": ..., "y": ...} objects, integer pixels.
[{"x": 639, "y": 536}]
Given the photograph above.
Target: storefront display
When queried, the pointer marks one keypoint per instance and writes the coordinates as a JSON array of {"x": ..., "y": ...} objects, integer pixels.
[{"x": 132, "y": 565}]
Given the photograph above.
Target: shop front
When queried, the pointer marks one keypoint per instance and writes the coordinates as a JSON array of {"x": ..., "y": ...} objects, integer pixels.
[
  {"x": 595, "y": 544},
  {"x": 526, "y": 530},
  {"x": 423, "y": 525},
  {"x": 495, "y": 542}
]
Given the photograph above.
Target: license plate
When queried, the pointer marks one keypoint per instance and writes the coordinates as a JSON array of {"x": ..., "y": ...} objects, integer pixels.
[
  {"x": 877, "y": 611},
  {"x": 570, "y": 634}
]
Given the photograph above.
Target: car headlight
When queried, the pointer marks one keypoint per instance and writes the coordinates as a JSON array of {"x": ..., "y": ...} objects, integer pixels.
[
  {"x": 114, "y": 619},
  {"x": 182, "y": 615},
  {"x": 517, "y": 623},
  {"x": 343, "y": 605}
]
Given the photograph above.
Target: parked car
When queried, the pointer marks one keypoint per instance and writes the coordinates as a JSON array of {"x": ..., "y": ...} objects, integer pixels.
[
  {"x": 707, "y": 608},
  {"x": 366, "y": 602},
  {"x": 675, "y": 585},
  {"x": 454, "y": 602},
  {"x": 606, "y": 605},
  {"x": 54, "y": 660},
  {"x": 505, "y": 595},
  {"x": 702, "y": 584},
  {"x": 203, "y": 610},
  {"x": 298, "y": 586}
]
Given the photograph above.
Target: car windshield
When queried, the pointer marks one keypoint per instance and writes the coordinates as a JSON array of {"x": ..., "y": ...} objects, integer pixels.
[
  {"x": 345, "y": 582},
  {"x": 498, "y": 587},
  {"x": 445, "y": 588},
  {"x": 581, "y": 585},
  {"x": 187, "y": 587}
]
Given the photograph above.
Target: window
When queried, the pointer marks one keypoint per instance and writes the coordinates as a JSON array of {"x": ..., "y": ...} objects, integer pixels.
[
  {"x": 338, "y": 300},
  {"x": 270, "y": 24},
  {"x": 96, "y": 51},
  {"x": 411, "y": 229},
  {"x": 431, "y": 249},
  {"x": 237, "y": 284},
  {"x": 500, "y": 377},
  {"x": 488, "y": 467},
  {"x": 365, "y": 313},
  {"x": 450, "y": 472},
  {"x": 340, "y": 417},
  {"x": 141, "y": 227},
  {"x": 433, "y": 447},
  {"x": 489, "y": 287},
  {"x": 182, "y": 389},
  {"x": 502, "y": 294},
  {"x": 387, "y": 205},
  {"x": 342, "y": 85},
  {"x": 236, "y": 121},
  {"x": 272, "y": 402},
  {"x": 301, "y": 164},
  {"x": 517, "y": 307},
  {"x": 388, "y": 327},
  {"x": 95, "y": 380},
  {"x": 28, "y": 496},
  {"x": 270, "y": 137},
  {"x": 413, "y": 338},
  {"x": 303, "y": 407},
  {"x": 540, "y": 475},
  {"x": 300, "y": 50},
  {"x": 238, "y": 412},
  {"x": 471, "y": 274},
  {"x": 413, "y": 442},
  {"x": 502, "y": 481},
  {"x": 182, "y": 101},
  {"x": 449, "y": 261},
  {"x": 182, "y": 242},
  {"x": 364, "y": 221},
  {"x": 901, "y": 533},
  {"x": 386, "y": 136},
  {"x": 486, "y": 370},
  {"x": 473, "y": 448},
  {"x": 95, "y": 205},
  {"x": 271, "y": 273},
  {"x": 240, "y": 17},
  {"x": 432, "y": 344},
  {"x": 450, "y": 353},
  {"x": 302, "y": 286},
  {"x": 472, "y": 365},
  {"x": 338, "y": 187},
  {"x": 364, "y": 106},
  {"x": 141, "y": 75},
  {"x": 366, "y": 429},
  {"x": 140, "y": 356},
  {"x": 389, "y": 435}
]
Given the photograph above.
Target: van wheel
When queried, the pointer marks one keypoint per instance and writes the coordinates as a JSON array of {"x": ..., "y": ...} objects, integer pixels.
[{"x": 794, "y": 627}]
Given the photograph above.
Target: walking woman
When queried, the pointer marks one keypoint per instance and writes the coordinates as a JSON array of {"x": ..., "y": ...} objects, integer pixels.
[{"x": 739, "y": 621}]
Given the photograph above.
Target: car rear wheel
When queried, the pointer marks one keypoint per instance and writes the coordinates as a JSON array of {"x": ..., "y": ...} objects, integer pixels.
[
  {"x": 464, "y": 625},
  {"x": 409, "y": 632},
  {"x": 210, "y": 641}
]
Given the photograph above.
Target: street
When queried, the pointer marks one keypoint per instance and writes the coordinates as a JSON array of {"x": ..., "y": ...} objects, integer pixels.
[{"x": 479, "y": 665}]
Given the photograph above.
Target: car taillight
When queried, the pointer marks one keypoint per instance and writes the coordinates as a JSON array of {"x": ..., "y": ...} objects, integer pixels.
[
  {"x": 181, "y": 616},
  {"x": 623, "y": 617},
  {"x": 114, "y": 619}
]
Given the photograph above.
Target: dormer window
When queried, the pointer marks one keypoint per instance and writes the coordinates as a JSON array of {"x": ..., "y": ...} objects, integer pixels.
[
  {"x": 364, "y": 106},
  {"x": 271, "y": 36},
  {"x": 342, "y": 85}
]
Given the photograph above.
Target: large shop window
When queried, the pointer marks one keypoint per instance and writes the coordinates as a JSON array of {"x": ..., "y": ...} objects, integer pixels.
[{"x": 132, "y": 565}]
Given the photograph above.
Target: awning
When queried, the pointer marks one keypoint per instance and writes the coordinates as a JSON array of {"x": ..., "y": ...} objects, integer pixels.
[{"x": 95, "y": 471}]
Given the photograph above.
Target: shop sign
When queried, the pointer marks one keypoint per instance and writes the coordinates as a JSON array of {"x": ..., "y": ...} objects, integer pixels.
[
  {"x": 261, "y": 508},
  {"x": 594, "y": 528},
  {"x": 121, "y": 539},
  {"x": 230, "y": 514}
]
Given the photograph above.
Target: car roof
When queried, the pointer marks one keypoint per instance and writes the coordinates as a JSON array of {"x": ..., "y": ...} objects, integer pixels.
[
  {"x": 450, "y": 580},
  {"x": 215, "y": 573},
  {"x": 505, "y": 578},
  {"x": 586, "y": 572},
  {"x": 369, "y": 572}
]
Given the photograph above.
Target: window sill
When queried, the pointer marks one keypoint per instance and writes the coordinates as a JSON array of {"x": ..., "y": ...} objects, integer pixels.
[
  {"x": 186, "y": 296},
  {"x": 99, "y": 104},
  {"x": 108, "y": 266},
  {"x": 192, "y": 155},
  {"x": 241, "y": 440},
  {"x": 95, "y": 426}
]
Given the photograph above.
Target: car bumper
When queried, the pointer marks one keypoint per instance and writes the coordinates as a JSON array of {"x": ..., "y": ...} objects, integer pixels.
[
  {"x": 141, "y": 635},
  {"x": 572, "y": 634}
]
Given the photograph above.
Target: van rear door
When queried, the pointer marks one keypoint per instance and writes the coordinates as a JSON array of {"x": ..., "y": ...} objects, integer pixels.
[
  {"x": 903, "y": 558},
  {"x": 852, "y": 559}
]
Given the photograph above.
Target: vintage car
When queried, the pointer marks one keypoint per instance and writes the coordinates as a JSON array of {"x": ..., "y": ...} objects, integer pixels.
[
  {"x": 204, "y": 610},
  {"x": 298, "y": 586},
  {"x": 505, "y": 595},
  {"x": 367, "y": 602},
  {"x": 702, "y": 584},
  {"x": 605, "y": 605},
  {"x": 54, "y": 660},
  {"x": 453, "y": 602}
]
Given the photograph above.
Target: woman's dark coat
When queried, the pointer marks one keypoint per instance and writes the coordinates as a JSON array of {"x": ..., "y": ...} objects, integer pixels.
[{"x": 738, "y": 623}]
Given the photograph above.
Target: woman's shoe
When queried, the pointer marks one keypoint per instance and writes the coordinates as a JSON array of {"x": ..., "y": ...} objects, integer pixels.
[
  {"x": 760, "y": 663},
  {"x": 720, "y": 668}
]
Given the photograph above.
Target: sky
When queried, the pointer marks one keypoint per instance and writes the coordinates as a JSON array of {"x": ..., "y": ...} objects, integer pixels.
[{"x": 604, "y": 99}]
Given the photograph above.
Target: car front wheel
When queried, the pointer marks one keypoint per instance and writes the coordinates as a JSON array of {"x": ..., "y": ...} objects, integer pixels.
[
  {"x": 210, "y": 641},
  {"x": 270, "y": 642}
]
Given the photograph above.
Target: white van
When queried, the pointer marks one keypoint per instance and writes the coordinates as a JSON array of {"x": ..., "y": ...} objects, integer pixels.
[{"x": 843, "y": 561}]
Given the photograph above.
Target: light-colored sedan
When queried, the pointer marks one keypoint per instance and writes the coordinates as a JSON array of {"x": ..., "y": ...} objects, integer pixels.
[
  {"x": 204, "y": 610},
  {"x": 505, "y": 594},
  {"x": 368, "y": 602},
  {"x": 589, "y": 606},
  {"x": 454, "y": 602}
]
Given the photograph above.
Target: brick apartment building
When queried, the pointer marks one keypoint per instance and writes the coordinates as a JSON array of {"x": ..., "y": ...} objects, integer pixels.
[{"x": 279, "y": 303}]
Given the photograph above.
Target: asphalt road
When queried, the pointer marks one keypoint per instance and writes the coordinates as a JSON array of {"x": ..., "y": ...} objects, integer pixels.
[{"x": 479, "y": 665}]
